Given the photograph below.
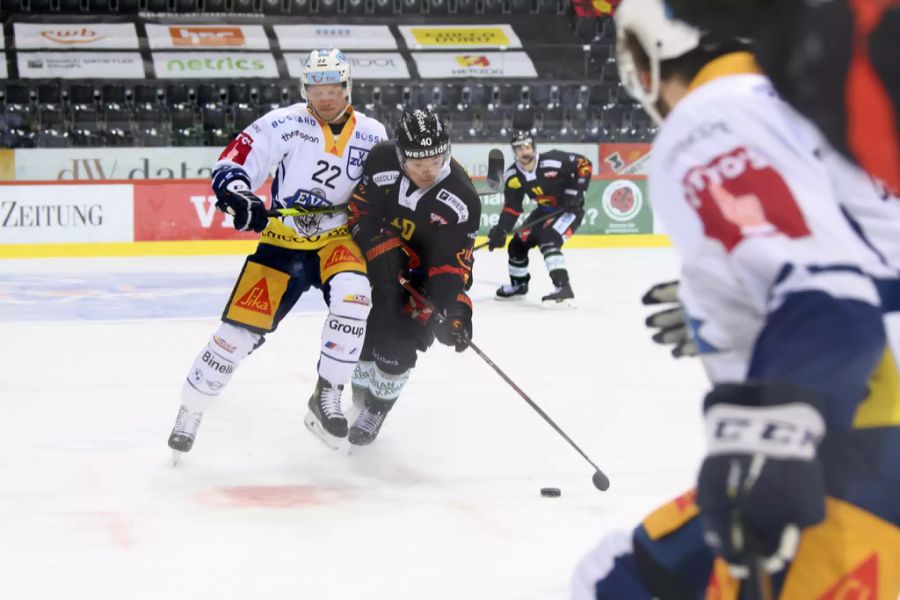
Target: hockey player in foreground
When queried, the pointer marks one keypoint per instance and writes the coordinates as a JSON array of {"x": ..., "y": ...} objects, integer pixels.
[
  {"x": 414, "y": 213},
  {"x": 800, "y": 479},
  {"x": 319, "y": 149},
  {"x": 557, "y": 181}
]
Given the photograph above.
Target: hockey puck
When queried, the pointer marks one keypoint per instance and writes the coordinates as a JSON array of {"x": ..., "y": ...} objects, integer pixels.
[{"x": 551, "y": 492}]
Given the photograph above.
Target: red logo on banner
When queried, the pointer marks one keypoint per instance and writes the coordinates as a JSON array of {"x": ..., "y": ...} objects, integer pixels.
[
  {"x": 469, "y": 60},
  {"x": 257, "y": 299},
  {"x": 238, "y": 149},
  {"x": 207, "y": 37},
  {"x": 740, "y": 192},
  {"x": 179, "y": 211},
  {"x": 622, "y": 199}
]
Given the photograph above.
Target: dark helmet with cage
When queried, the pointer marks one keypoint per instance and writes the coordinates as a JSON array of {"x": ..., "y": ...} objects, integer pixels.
[{"x": 421, "y": 134}]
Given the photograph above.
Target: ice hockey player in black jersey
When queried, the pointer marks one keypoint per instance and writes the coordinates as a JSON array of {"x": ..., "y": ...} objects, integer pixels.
[
  {"x": 557, "y": 181},
  {"x": 415, "y": 213}
]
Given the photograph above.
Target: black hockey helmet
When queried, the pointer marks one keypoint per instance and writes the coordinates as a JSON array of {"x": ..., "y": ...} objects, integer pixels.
[
  {"x": 421, "y": 134},
  {"x": 522, "y": 137}
]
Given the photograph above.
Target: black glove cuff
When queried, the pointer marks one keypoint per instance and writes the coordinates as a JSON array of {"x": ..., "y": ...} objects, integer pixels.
[{"x": 753, "y": 394}]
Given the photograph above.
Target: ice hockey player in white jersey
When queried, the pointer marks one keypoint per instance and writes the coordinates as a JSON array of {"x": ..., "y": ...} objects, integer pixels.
[
  {"x": 318, "y": 149},
  {"x": 796, "y": 496}
]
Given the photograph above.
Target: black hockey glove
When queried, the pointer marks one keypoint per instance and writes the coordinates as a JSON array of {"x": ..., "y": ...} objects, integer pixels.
[
  {"x": 761, "y": 481},
  {"x": 456, "y": 327},
  {"x": 384, "y": 262},
  {"x": 233, "y": 196},
  {"x": 572, "y": 200},
  {"x": 496, "y": 237},
  {"x": 671, "y": 322}
]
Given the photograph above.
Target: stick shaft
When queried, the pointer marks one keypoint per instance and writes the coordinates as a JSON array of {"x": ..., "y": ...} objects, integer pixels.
[
  {"x": 415, "y": 293},
  {"x": 531, "y": 223}
]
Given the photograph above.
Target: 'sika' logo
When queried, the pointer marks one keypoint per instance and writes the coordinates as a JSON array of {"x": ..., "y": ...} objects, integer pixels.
[
  {"x": 340, "y": 255},
  {"x": 257, "y": 299},
  {"x": 469, "y": 60},
  {"x": 859, "y": 584}
]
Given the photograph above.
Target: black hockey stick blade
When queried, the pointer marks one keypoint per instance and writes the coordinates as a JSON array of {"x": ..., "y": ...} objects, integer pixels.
[{"x": 494, "y": 179}]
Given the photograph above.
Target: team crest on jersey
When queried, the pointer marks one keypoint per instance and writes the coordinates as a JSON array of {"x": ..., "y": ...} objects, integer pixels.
[
  {"x": 356, "y": 158},
  {"x": 308, "y": 225}
]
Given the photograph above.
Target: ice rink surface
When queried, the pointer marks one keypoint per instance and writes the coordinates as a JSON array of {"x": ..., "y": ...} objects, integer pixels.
[{"x": 445, "y": 505}]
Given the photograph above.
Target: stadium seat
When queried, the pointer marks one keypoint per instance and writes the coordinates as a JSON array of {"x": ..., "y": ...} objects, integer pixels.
[
  {"x": 113, "y": 96},
  {"x": 17, "y": 95},
  {"x": 82, "y": 95},
  {"x": 52, "y": 138}
]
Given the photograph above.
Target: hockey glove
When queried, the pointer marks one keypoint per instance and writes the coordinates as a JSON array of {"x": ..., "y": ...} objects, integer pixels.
[
  {"x": 572, "y": 200},
  {"x": 761, "y": 482},
  {"x": 671, "y": 322},
  {"x": 384, "y": 262},
  {"x": 456, "y": 327},
  {"x": 233, "y": 196},
  {"x": 496, "y": 237}
]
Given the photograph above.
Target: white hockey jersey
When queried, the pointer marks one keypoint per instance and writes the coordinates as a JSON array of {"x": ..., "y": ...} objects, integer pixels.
[
  {"x": 755, "y": 215},
  {"x": 313, "y": 169}
]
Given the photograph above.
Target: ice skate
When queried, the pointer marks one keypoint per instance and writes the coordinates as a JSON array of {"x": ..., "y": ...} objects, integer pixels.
[
  {"x": 181, "y": 440},
  {"x": 366, "y": 427},
  {"x": 516, "y": 290},
  {"x": 325, "y": 419},
  {"x": 561, "y": 297}
]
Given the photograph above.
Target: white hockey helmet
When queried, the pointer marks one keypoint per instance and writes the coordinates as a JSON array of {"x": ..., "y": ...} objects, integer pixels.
[
  {"x": 326, "y": 66},
  {"x": 662, "y": 37}
]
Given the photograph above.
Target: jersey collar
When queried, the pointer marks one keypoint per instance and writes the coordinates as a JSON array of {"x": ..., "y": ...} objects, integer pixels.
[
  {"x": 733, "y": 63},
  {"x": 337, "y": 146}
]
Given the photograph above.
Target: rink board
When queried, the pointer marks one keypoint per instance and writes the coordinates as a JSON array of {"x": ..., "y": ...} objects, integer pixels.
[{"x": 178, "y": 217}]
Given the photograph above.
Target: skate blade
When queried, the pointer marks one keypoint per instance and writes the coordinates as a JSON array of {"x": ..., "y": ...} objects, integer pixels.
[
  {"x": 176, "y": 457},
  {"x": 556, "y": 304},
  {"x": 312, "y": 424},
  {"x": 509, "y": 298}
]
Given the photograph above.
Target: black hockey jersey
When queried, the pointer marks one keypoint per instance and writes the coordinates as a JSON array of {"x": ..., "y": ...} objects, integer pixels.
[
  {"x": 557, "y": 174},
  {"x": 436, "y": 226}
]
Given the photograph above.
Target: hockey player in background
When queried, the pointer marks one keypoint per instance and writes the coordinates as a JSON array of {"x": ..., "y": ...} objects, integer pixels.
[
  {"x": 802, "y": 423},
  {"x": 836, "y": 62},
  {"x": 319, "y": 149},
  {"x": 557, "y": 181},
  {"x": 415, "y": 213}
]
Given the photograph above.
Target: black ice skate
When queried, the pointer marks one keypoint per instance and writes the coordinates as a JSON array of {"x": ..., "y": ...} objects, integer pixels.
[
  {"x": 325, "y": 419},
  {"x": 366, "y": 427},
  {"x": 181, "y": 439},
  {"x": 516, "y": 290},
  {"x": 561, "y": 297}
]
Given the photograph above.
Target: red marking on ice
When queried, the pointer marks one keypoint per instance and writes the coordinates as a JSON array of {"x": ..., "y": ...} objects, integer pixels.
[{"x": 269, "y": 496}]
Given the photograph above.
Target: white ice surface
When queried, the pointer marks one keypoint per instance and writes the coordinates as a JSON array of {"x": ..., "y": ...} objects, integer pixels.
[{"x": 445, "y": 505}]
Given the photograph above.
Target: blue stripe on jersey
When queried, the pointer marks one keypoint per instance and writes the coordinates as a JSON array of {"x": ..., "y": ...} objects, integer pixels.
[
  {"x": 889, "y": 292},
  {"x": 828, "y": 344},
  {"x": 858, "y": 230},
  {"x": 279, "y": 175}
]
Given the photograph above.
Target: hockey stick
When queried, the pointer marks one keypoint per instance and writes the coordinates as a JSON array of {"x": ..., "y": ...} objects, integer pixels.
[
  {"x": 531, "y": 223},
  {"x": 493, "y": 185},
  {"x": 299, "y": 212},
  {"x": 493, "y": 181},
  {"x": 600, "y": 480}
]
